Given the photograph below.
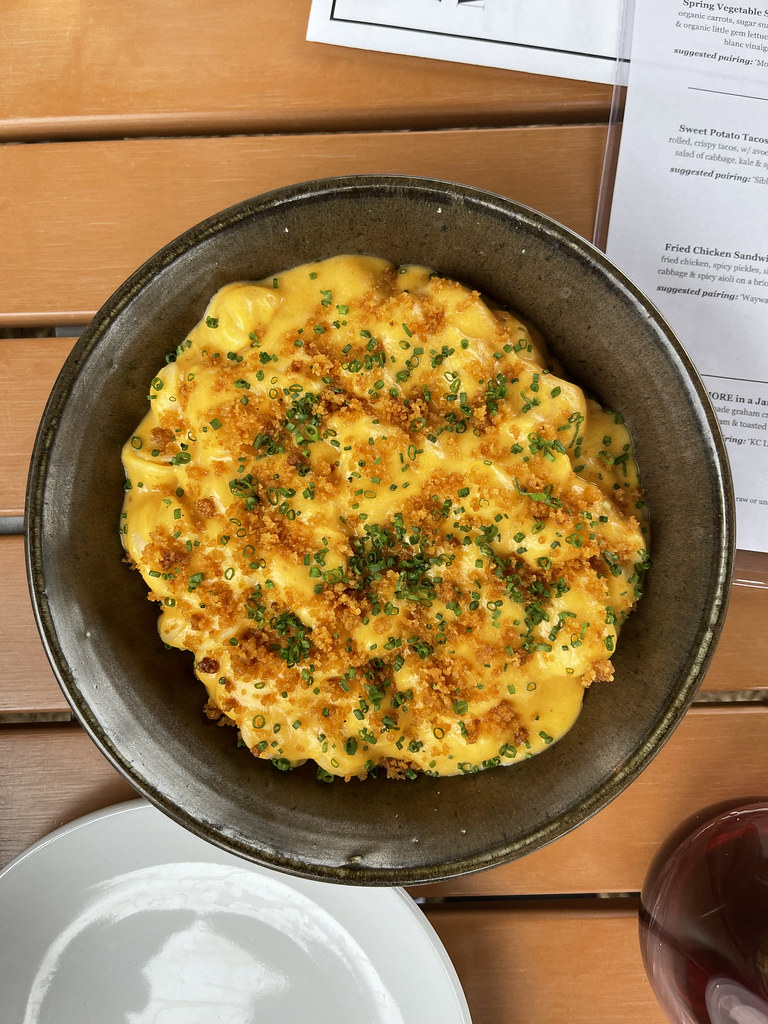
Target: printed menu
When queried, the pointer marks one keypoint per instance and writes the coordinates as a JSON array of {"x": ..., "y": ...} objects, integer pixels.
[
  {"x": 689, "y": 218},
  {"x": 558, "y": 37}
]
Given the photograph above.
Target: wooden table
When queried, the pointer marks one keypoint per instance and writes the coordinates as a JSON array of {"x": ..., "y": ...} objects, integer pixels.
[{"x": 122, "y": 125}]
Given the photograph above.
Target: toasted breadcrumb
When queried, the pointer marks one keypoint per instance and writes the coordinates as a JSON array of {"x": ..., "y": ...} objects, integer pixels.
[{"x": 391, "y": 531}]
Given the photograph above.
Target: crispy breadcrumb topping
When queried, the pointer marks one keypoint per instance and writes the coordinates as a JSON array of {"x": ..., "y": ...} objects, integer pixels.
[{"x": 393, "y": 535}]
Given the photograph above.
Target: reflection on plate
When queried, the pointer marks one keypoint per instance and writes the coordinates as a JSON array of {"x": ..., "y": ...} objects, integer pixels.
[{"x": 124, "y": 917}]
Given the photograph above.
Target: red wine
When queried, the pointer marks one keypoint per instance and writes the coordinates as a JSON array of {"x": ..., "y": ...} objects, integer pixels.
[{"x": 704, "y": 921}]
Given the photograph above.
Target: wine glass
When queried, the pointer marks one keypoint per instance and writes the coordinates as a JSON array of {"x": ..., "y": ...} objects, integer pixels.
[{"x": 704, "y": 919}]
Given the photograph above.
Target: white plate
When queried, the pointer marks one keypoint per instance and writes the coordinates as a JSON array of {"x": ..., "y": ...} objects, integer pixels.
[{"x": 124, "y": 917}]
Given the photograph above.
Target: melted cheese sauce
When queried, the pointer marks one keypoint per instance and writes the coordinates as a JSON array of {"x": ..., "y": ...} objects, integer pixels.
[{"x": 390, "y": 533}]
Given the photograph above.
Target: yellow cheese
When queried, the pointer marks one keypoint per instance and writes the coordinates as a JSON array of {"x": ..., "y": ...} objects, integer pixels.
[{"x": 390, "y": 532}]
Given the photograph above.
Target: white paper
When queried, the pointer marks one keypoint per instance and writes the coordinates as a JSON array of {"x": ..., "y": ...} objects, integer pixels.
[
  {"x": 689, "y": 220},
  {"x": 564, "y": 38}
]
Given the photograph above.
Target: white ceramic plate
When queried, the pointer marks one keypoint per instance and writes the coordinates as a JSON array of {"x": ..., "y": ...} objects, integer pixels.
[{"x": 124, "y": 917}]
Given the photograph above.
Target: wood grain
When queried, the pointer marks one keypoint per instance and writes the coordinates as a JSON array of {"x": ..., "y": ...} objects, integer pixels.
[
  {"x": 740, "y": 662},
  {"x": 85, "y": 216},
  {"x": 28, "y": 370},
  {"x": 568, "y": 964},
  {"x": 93, "y": 68},
  {"x": 27, "y": 682},
  {"x": 52, "y": 773}
]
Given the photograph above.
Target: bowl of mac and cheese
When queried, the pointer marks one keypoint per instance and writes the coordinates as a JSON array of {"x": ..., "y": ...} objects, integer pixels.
[{"x": 361, "y": 534}]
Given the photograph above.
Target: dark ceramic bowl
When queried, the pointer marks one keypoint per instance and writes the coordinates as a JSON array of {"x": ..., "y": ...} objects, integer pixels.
[{"x": 141, "y": 703}]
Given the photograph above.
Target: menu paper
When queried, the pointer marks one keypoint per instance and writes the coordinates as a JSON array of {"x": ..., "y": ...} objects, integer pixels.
[
  {"x": 689, "y": 218},
  {"x": 556, "y": 37}
]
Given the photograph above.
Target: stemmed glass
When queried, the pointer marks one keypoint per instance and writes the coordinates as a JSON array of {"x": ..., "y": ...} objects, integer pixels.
[{"x": 704, "y": 919}]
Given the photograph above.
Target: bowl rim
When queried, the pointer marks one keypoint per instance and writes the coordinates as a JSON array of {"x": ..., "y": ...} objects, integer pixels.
[{"x": 587, "y": 805}]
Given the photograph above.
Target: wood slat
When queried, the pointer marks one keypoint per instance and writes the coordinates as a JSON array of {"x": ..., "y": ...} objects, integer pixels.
[
  {"x": 740, "y": 662},
  {"x": 28, "y": 369},
  {"x": 53, "y": 773},
  {"x": 93, "y": 68},
  {"x": 572, "y": 964},
  {"x": 85, "y": 216},
  {"x": 27, "y": 682}
]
